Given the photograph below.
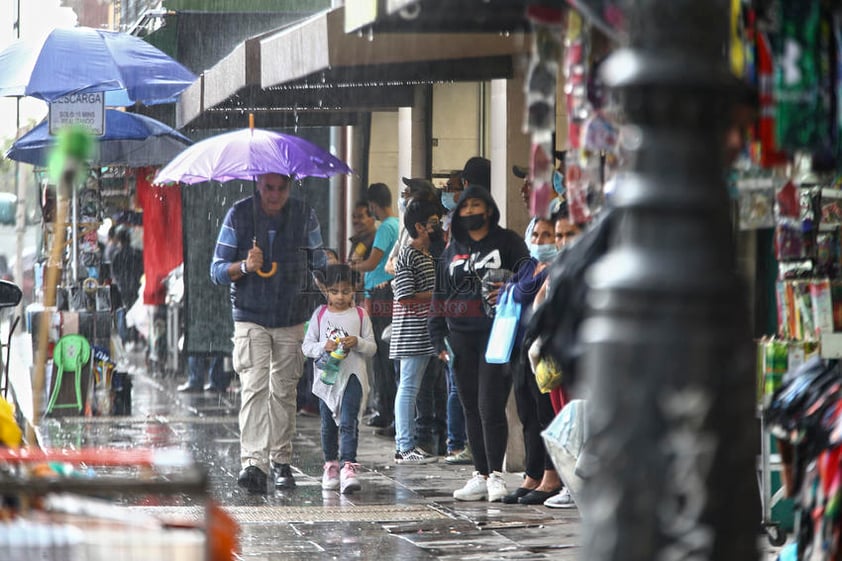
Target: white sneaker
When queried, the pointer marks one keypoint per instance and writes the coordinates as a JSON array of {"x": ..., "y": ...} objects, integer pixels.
[
  {"x": 330, "y": 477},
  {"x": 348, "y": 477},
  {"x": 496, "y": 487},
  {"x": 475, "y": 489},
  {"x": 563, "y": 500}
]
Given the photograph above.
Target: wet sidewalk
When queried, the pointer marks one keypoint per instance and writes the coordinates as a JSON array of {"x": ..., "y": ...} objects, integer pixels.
[{"x": 402, "y": 512}]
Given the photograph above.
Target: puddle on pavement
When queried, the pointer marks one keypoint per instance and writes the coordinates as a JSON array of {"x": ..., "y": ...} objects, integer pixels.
[{"x": 424, "y": 522}]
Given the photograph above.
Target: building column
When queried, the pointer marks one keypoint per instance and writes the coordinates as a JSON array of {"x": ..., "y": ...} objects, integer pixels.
[
  {"x": 404, "y": 147},
  {"x": 509, "y": 146},
  {"x": 414, "y": 137}
]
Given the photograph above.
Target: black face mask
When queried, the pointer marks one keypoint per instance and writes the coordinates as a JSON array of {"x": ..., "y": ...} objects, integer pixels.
[
  {"x": 436, "y": 235},
  {"x": 473, "y": 221}
]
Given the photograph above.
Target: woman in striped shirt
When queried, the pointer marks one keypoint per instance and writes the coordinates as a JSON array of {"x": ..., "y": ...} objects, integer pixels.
[{"x": 415, "y": 273}]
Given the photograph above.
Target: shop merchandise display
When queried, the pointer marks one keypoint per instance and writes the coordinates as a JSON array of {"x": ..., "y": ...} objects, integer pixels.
[
  {"x": 540, "y": 89},
  {"x": 805, "y": 416},
  {"x": 787, "y": 182}
]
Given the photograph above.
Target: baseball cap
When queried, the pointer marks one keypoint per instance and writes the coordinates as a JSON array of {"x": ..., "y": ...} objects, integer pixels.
[
  {"x": 477, "y": 171},
  {"x": 418, "y": 185}
]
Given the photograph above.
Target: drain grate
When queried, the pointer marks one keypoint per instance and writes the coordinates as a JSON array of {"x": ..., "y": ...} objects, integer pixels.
[{"x": 345, "y": 513}]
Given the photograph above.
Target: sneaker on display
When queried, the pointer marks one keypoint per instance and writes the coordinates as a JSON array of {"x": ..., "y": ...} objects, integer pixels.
[
  {"x": 496, "y": 486},
  {"x": 348, "y": 478},
  {"x": 475, "y": 489},
  {"x": 414, "y": 456},
  {"x": 330, "y": 477},
  {"x": 563, "y": 500}
]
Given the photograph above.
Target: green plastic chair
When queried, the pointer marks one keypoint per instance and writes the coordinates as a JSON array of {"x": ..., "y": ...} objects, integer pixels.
[{"x": 71, "y": 353}]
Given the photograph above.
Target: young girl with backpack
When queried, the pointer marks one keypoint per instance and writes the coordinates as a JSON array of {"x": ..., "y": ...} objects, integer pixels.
[{"x": 336, "y": 329}]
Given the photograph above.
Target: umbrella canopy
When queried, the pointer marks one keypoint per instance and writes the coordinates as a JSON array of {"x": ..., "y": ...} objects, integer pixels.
[
  {"x": 85, "y": 60},
  {"x": 130, "y": 139},
  {"x": 247, "y": 153}
]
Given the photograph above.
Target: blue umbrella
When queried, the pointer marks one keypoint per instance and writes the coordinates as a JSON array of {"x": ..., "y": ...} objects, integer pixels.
[
  {"x": 84, "y": 60},
  {"x": 130, "y": 139}
]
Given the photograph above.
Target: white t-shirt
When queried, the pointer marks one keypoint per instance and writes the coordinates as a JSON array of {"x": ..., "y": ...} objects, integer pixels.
[{"x": 353, "y": 321}]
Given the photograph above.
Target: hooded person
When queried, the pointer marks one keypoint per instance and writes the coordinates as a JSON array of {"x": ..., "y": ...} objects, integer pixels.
[{"x": 459, "y": 330}]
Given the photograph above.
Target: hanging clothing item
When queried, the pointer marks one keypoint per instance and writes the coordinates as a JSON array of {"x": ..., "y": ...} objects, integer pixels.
[
  {"x": 770, "y": 155},
  {"x": 802, "y": 84},
  {"x": 162, "y": 241}
]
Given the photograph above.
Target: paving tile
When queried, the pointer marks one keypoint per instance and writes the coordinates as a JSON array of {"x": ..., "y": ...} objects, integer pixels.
[{"x": 401, "y": 513}]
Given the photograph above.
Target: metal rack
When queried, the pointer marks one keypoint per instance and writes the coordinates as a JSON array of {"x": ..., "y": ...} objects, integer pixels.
[
  {"x": 85, "y": 504},
  {"x": 768, "y": 463}
]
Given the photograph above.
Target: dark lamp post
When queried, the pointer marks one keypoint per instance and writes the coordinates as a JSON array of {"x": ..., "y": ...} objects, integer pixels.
[{"x": 669, "y": 359}]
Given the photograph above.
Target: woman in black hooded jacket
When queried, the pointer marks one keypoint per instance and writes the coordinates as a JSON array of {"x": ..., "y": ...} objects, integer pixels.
[{"x": 478, "y": 244}]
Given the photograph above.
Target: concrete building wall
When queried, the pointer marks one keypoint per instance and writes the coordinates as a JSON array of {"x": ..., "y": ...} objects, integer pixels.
[
  {"x": 383, "y": 151},
  {"x": 456, "y": 118},
  {"x": 92, "y": 13}
]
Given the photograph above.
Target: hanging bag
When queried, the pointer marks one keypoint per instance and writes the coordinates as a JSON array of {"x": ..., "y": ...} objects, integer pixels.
[{"x": 504, "y": 329}]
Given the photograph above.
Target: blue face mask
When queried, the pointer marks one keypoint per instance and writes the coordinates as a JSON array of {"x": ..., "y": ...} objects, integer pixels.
[
  {"x": 447, "y": 201},
  {"x": 558, "y": 182},
  {"x": 543, "y": 252},
  {"x": 402, "y": 205}
]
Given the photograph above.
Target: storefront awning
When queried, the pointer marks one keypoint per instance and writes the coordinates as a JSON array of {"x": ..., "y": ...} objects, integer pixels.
[
  {"x": 313, "y": 73},
  {"x": 426, "y": 16},
  {"x": 320, "y": 45}
]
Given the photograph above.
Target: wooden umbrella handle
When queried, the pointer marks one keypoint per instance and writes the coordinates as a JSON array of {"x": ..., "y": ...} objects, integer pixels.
[
  {"x": 269, "y": 273},
  {"x": 272, "y": 270}
]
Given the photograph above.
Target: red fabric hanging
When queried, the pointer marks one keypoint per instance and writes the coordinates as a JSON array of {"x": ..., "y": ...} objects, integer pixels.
[
  {"x": 770, "y": 155},
  {"x": 162, "y": 244}
]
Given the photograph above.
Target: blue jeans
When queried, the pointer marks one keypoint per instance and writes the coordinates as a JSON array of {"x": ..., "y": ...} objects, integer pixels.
[
  {"x": 341, "y": 442},
  {"x": 456, "y": 437},
  {"x": 198, "y": 365},
  {"x": 412, "y": 371}
]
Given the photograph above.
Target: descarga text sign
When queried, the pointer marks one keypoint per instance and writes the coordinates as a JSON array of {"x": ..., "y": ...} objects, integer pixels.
[{"x": 87, "y": 109}]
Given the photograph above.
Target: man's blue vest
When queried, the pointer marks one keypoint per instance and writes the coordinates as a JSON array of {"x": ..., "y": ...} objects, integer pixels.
[{"x": 283, "y": 299}]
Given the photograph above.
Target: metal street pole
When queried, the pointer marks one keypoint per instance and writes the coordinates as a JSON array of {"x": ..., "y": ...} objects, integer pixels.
[
  {"x": 668, "y": 352},
  {"x": 20, "y": 188}
]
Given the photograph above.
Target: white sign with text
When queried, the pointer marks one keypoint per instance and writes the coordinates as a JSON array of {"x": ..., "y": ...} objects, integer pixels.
[{"x": 86, "y": 109}]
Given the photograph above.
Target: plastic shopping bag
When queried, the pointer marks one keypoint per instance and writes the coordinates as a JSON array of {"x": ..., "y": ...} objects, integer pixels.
[
  {"x": 565, "y": 439},
  {"x": 503, "y": 330}
]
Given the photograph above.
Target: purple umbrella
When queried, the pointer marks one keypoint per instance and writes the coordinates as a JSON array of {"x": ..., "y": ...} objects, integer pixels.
[{"x": 247, "y": 153}]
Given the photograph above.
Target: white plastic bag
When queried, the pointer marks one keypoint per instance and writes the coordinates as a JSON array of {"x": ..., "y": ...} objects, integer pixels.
[{"x": 565, "y": 440}]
